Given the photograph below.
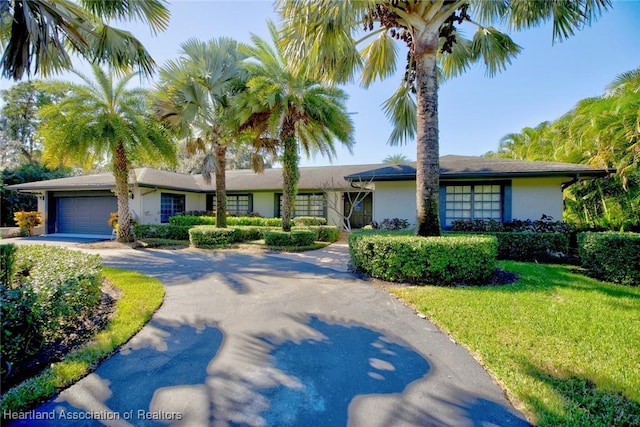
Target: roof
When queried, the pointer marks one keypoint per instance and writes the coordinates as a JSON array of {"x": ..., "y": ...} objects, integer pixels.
[
  {"x": 468, "y": 167},
  {"x": 322, "y": 177}
]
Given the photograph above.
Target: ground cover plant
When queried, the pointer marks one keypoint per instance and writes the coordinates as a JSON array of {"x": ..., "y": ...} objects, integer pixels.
[
  {"x": 565, "y": 346},
  {"x": 139, "y": 297}
]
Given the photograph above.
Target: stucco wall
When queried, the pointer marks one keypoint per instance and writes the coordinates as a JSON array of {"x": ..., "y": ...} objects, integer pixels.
[
  {"x": 335, "y": 206},
  {"x": 533, "y": 197},
  {"x": 149, "y": 205},
  {"x": 396, "y": 199},
  {"x": 263, "y": 203}
]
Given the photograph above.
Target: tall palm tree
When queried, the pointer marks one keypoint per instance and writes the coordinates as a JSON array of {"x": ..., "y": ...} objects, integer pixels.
[
  {"x": 195, "y": 97},
  {"x": 102, "y": 119},
  {"x": 300, "y": 113},
  {"x": 321, "y": 37},
  {"x": 38, "y": 35}
]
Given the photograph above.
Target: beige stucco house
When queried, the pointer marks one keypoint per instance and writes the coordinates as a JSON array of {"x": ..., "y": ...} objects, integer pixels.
[{"x": 470, "y": 188}]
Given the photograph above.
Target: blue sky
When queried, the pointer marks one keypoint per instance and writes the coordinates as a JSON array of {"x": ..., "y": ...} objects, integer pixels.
[{"x": 475, "y": 111}]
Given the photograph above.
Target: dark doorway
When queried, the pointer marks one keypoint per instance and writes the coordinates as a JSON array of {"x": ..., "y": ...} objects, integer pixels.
[{"x": 362, "y": 209}]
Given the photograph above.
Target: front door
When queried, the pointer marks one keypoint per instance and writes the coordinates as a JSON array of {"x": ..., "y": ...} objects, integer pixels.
[{"x": 362, "y": 213}]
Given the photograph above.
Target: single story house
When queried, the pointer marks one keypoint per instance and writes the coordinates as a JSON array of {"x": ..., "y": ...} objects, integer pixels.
[{"x": 470, "y": 188}]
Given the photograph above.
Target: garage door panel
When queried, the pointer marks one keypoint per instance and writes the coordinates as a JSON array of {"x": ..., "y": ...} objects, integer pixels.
[{"x": 85, "y": 215}]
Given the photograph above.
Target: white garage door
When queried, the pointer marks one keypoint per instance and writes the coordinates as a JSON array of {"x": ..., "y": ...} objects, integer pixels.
[{"x": 85, "y": 215}]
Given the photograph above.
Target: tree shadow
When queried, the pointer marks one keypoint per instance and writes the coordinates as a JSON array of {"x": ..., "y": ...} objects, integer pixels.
[
  {"x": 325, "y": 373},
  {"x": 166, "y": 360},
  {"x": 583, "y": 401}
]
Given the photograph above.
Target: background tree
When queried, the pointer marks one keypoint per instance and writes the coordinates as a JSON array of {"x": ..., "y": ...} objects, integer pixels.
[
  {"x": 102, "y": 119},
  {"x": 300, "y": 113},
  {"x": 195, "y": 96},
  {"x": 19, "y": 120},
  {"x": 12, "y": 201},
  {"x": 38, "y": 35},
  {"x": 603, "y": 132},
  {"x": 396, "y": 159},
  {"x": 321, "y": 37}
]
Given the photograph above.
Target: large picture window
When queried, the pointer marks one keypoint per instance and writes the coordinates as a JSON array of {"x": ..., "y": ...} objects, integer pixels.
[
  {"x": 307, "y": 205},
  {"x": 239, "y": 204},
  {"x": 170, "y": 205},
  {"x": 469, "y": 202}
]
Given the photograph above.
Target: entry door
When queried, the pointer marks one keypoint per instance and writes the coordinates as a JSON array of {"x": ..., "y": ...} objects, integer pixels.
[{"x": 362, "y": 210}]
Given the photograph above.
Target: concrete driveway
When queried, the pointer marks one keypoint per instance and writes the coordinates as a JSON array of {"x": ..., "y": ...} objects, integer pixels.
[{"x": 266, "y": 339}]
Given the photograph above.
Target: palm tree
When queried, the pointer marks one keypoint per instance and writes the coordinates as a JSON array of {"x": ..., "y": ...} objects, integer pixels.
[
  {"x": 103, "y": 120},
  {"x": 396, "y": 159},
  {"x": 320, "y": 37},
  {"x": 195, "y": 97},
  {"x": 301, "y": 113},
  {"x": 38, "y": 35}
]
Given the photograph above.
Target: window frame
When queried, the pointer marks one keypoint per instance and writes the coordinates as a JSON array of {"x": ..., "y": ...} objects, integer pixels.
[
  {"x": 249, "y": 197},
  {"x": 174, "y": 197},
  {"x": 295, "y": 213},
  {"x": 505, "y": 199}
]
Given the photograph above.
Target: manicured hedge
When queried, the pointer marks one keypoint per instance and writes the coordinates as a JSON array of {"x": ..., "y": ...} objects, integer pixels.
[
  {"x": 309, "y": 220},
  {"x": 294, "y": 238},
  {"x": 162, "y": 231},
  {"x": 436, "y": 260},
  {"x": 529, "y": 246},
  {"x": 611, "y": 256},
  {"x": 51, "y": 289},
  {"x": 208, "y": 236},
  {"x": 231, "y": 221},
  {"x": 328, "y": 233}
]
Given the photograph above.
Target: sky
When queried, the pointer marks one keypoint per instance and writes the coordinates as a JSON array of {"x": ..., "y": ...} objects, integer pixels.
[{"x": 475, "y": 111}]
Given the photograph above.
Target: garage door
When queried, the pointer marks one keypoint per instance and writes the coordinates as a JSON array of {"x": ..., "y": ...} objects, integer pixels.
[{"x": 85, "y": 215}]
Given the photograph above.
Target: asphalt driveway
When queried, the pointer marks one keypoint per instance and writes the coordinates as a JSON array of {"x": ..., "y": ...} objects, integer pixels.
[{"x": 267, "y": 339}]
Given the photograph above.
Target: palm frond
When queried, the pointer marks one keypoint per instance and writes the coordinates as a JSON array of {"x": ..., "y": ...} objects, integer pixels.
[{"x": 401, "y": 110}]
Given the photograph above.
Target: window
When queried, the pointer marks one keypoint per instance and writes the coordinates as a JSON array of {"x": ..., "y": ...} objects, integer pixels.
[
  {"x": 239, "y": 204},
  {"x": 306, "y": 205},
  {"x": 170, "y": 205},
  {"x": 469, "y": 202}
]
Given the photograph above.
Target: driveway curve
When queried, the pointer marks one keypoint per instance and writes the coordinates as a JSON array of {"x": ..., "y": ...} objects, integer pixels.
[{"x": 272, "y": 339}]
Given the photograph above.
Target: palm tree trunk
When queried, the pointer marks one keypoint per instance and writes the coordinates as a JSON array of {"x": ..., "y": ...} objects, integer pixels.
[
  {"x": 290, "y": 176},
  {"x": 428, "y": 162},
  {"x": 121, "y": 174},
  {"x": 220, "y": 152}
]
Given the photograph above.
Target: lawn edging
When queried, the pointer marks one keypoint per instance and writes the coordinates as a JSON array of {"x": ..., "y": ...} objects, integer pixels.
[{"x": 141, "y": 296}]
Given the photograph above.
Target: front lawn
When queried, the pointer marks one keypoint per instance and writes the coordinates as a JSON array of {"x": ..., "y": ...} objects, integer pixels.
[{"x": 566, "y": 347}]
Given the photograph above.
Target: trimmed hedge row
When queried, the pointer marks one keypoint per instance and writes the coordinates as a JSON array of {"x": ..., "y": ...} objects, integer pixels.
[
  {"x": 293, "y": 238},
  {"x": 528, "y": 246},
  {"x": 255, "y": 221},
  {"x": 611, "y": 256},
  {"x": 445, "y": 260},
  {"x": 162, "y": 231},
  {"x": 208, "y": 236},
  {"x": 51, "y": 290}
]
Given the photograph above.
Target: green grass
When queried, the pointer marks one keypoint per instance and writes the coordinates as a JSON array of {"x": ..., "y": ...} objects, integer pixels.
[
  {"x": 140, "y": 298},
  {"x": 565, "y": 347}
]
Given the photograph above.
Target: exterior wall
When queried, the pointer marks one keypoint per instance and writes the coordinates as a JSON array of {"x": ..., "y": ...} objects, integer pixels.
[
  {"x": 335, "y": 206},
  {"x": 395, "y": 199},
  {"x": 42, "y": 208},
  {"x": 533, "y": 197},
  {"x": 149, "y": 203},
  {"x": 264, "y": 204}
]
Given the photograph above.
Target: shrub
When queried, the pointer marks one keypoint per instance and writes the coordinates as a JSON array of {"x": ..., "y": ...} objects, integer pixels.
[
  {"x": 251, "y": 233},
  {"x": 254, "y": 221},
  {"x": 27, "y": 221},
  {"x": 191, "y": 220},
  {"x": 309, "y": 220},
  {"x": 293, "y": 238},
  {"x": 545, "y": 224},
  {"x": 611, "y": 256},
  {"x": 390, "y": 224},
  {"x": 530, "y": 246},
  {"x": 207, "y": 236},
  {"x": 162, "y": 231},
  {"x": 438, "y": 260},
  {"x": 7, "y": 262},
  {"x": 53, "y": 288},
  {"x": 328, "y": 233}
]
